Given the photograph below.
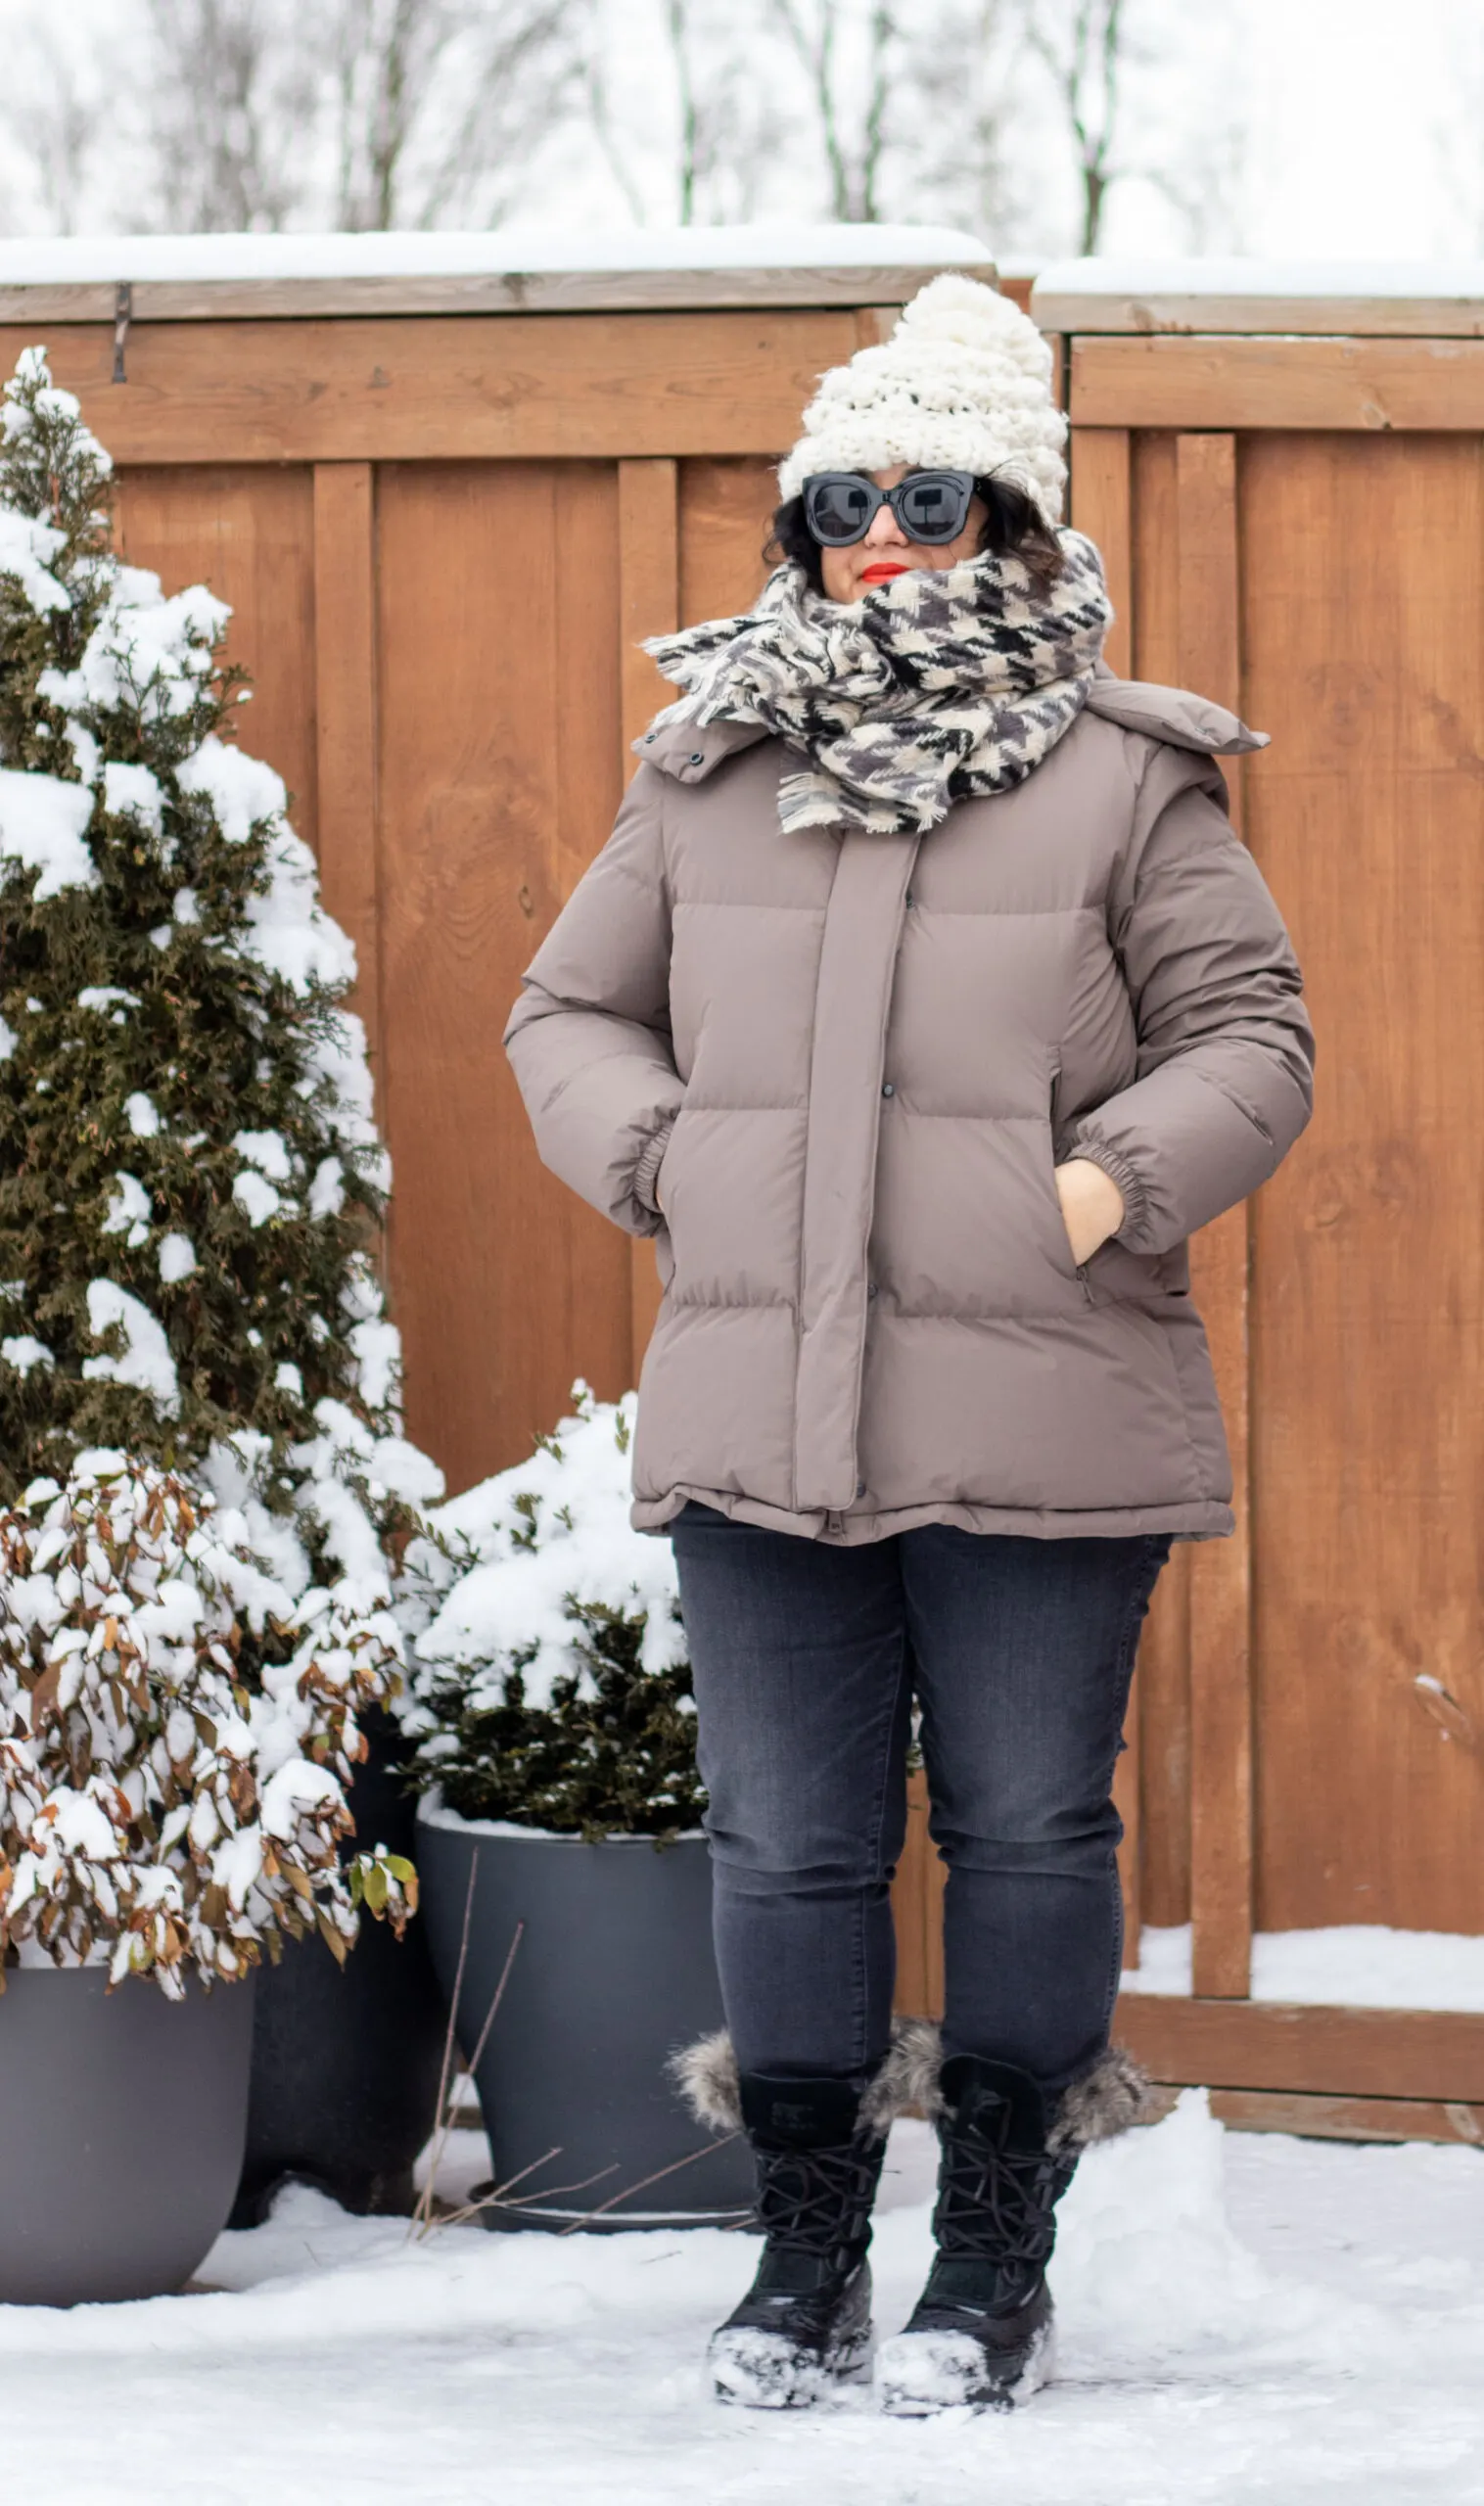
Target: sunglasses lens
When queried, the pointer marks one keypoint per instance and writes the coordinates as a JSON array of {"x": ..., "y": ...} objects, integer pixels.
[
  {"x": 934, "y": 506},
  {"x": 839, "y": 510}
]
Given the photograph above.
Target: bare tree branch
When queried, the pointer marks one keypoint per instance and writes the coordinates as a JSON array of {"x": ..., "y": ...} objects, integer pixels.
[
  {"x": 958, "y": 103},
  {"x": 814, "y": 50},
  {"x": 440, "y": 103},
  {"x": 1104, "y": 57},
  {"x": 840, "y": 89},
  {"x": 677, "y": 28},
  {"x": 57, "y": 123},
  {"x": 618, "y": 158},
  {"x": 229, "y": 89},
  {"x": 1084, "y": 59},
  {"x": 882, "y": 33},
  {"x": 1204, "y": 185}
]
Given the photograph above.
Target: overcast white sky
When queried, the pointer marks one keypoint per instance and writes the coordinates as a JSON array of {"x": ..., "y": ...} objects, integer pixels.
[
  {"x": 1364, "y": 124},
  {"x": 1360, "y": 140}
]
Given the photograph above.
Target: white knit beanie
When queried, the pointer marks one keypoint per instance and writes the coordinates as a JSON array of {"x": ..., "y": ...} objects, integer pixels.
[{"x": 964, "y": 382}]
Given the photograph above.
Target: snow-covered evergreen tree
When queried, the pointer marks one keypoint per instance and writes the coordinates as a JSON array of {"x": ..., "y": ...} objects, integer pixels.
[
  {"x": 190, "y": 1177},
  {"x": 189, "y": 1188}
]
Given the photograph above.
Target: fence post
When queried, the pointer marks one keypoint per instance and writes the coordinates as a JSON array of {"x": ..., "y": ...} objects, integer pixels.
[
  {"x": 649, "y": 604},
  {"x": 1221, "y": 1571}
]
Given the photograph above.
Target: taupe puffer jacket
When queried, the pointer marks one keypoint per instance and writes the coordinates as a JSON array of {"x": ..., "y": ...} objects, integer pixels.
[{"x": 850, "y": 1066}]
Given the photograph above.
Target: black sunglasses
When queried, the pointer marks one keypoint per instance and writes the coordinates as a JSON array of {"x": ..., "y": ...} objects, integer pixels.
[{"x": 931, "y": 507}]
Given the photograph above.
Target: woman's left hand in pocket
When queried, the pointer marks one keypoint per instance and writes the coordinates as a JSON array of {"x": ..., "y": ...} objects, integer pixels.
[{"x": 1091, "y": 1206}]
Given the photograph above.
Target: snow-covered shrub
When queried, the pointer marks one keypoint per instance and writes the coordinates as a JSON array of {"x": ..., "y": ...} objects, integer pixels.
[
  {"x": 176, "y": 1730},
  {"x": 550, "y": 1684}
]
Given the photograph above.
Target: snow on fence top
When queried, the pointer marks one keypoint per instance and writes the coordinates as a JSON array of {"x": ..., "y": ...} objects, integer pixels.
[
  {"x": 1405, "y": 300},
  {"x": 506, "y": 270}
]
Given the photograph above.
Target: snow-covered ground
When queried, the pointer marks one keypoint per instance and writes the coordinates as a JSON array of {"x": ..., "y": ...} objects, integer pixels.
[
  {"x": 1243, "y": 2319},
  {"x": 1364, "y": 1966}
]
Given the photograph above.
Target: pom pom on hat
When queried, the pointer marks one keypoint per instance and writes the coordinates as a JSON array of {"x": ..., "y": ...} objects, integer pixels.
[{"x": 964, "y": 382}]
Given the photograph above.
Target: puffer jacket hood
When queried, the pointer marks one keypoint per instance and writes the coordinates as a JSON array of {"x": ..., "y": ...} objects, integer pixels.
[{"x": 848, "y": 1065}]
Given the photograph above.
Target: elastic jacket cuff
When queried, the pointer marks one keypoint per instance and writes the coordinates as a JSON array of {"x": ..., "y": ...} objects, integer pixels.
[
  {"x": 1117, "y": 1167},
  {"x": 647, "y": 1172}
]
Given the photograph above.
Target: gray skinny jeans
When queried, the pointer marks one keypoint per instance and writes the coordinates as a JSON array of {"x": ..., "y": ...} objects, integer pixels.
[{"x": 807, "y": 1659}]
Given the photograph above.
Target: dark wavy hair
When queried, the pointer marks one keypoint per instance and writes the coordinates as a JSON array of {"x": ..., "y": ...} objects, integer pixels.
[{"x": 1013, "y": 526}]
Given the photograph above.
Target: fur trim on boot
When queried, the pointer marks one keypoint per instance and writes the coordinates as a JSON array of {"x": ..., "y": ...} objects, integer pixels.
[
  {"x": 706, "y": 2076},
  {"x": 907, "y": 2078},
  {"x": 1109, "y": 2099}
]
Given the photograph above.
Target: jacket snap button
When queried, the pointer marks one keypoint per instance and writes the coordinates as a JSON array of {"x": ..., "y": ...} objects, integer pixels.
[
  {"x": 651, "y": 736},
  {"x": 871, "y": 1291},
  {"x": 698, "y": 757},
  {"x": 888, "y": 1090},
  {"x": 861, "y": 1487},
  {"x": 909, "y": 898}
]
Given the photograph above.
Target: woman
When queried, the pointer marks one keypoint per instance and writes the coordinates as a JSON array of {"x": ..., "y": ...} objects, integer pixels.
[{"x": 920, "y": 1005}]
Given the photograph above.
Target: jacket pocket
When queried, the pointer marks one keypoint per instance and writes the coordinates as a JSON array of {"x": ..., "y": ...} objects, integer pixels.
[
  {"x": 1068, "y": 1266},
  {"x": 1058, "y": 1241},
  {"x": 664, "y": 1203}
]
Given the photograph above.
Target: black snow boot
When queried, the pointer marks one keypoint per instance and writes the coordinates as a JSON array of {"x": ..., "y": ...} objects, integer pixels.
[
  {"x": 981, "y": 2332},
  {"x": 807, "y": 2318}
]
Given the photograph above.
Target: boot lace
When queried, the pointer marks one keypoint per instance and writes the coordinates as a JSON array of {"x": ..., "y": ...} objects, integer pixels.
[
  {"x": 813, "y": 2201},
  {"x": 998, "y": 2203}
]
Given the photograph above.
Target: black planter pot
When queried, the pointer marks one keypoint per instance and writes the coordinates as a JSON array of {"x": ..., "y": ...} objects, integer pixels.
[
  {"x": 345, "y": 2059},
  {"x": 613, "y": 1972},
  {"x": 121, "y": 2121}
]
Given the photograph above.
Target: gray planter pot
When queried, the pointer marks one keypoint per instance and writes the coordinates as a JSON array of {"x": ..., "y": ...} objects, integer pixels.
[
  {"x": 613, "y": 1972},
  {"x": 347, "y": 2060},
  {"x": 122, "y": 2122}
]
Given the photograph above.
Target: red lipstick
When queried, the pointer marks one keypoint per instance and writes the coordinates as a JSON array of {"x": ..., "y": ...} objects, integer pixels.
[{"x": 884, "y": 572}]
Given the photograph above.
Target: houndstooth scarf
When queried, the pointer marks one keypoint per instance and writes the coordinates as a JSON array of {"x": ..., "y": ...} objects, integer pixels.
[{"x": 934, "y": 688}]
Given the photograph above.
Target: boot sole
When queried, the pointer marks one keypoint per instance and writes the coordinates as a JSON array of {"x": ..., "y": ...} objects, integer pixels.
[
  {"x": 761, "y": 2369},
  {"x": 921, "y": 2373}
]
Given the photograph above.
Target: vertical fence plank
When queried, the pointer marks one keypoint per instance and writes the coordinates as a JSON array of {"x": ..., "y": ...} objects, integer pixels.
[
  {"x": 1102, "y": 508},
  {"x": 727, "y": 510},
  {"x": 344, "y": 686},
  {"x": 1163, "y": 1686},
  {"x": 248, "y": 533},
  {"x": 649, "y": 604},
  {"x": 917, "y": 1910},
  {"x": 649, "y": 588},
  {"x": 497, "y": 776},
  {"x": 1221, "y": 1571}
]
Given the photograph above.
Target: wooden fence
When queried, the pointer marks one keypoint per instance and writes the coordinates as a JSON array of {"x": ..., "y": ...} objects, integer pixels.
[
  {"x": 1295, "y": 525},
  {"x": 442, "y": 533}
]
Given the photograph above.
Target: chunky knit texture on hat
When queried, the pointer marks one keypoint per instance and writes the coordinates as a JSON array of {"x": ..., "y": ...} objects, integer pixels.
[{"x": 964, "y": 382}]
